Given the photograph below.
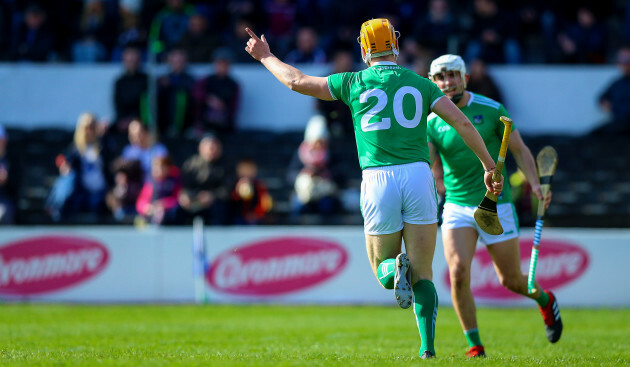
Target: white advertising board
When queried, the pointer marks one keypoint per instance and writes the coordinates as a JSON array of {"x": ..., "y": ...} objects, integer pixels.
[{"x": 297, "y": 265}]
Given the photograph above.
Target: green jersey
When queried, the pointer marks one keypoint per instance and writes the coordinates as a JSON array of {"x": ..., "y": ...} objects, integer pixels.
[
  {"x": 463, "y": 172},
  {"x": 389, "y": 106}
]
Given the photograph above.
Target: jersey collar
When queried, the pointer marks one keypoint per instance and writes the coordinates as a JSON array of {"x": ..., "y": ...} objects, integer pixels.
[
  {"x": 470, "y": 100},
  {"x": 379, "y": 63}
]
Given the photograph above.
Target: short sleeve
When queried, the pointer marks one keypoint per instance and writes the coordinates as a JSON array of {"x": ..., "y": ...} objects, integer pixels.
[
  {"x": 434, "y": 93},
  {"x": 339, "y": 85}
]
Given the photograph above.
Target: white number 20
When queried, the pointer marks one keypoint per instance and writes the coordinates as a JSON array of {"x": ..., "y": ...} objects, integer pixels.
[{"x": 399, "y": 115}]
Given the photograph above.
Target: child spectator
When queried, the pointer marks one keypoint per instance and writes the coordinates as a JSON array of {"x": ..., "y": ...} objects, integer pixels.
[
  {"x": 128, "y": 180},
  {"x": 157, "y": 202},
  {"x": 250, "y": 198}
]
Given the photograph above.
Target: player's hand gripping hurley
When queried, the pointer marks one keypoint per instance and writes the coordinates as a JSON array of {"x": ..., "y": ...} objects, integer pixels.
[
  {"x": 547, "y": 160},
  {"x": 486, "y": 213}
]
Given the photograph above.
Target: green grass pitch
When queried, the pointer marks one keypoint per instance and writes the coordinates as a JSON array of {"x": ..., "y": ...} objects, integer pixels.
[{"x": 146, "y": 335}]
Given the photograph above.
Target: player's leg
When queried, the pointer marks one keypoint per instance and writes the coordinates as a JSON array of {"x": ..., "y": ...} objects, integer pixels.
[
  {"x": 459, "y": 251},
  {"x": 420, "y": 246},
  {"x": 507, "y": 263},
  {"x": 505, "y": 252},
  {"x": 382, "y": 251}
]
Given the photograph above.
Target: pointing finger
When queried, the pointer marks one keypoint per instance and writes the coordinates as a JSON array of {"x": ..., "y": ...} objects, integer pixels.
[{"x": 252, "y": 34}]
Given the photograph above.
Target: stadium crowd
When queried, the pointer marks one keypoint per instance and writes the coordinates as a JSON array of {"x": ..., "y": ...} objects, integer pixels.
[
  {"x": 496, "y": 31},
  {"x": 141, "y": 181}
]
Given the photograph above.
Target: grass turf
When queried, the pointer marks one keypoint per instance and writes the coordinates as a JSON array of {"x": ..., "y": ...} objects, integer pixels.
[{"x": 32, "y": 335}]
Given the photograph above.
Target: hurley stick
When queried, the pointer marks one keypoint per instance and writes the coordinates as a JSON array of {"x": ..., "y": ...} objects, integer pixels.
[
  {"x": 547, "y": 160},
  {"x": 486, "y": 213}
]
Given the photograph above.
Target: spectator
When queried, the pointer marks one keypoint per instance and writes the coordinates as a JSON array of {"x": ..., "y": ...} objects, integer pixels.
[
  {"x": 128, "y": 181},
  {"x": 492, "y": 35},
  {"x": 616, "y": 98},
  {"x": 82, "y": 183},
  {"x": 175, "y": 104},
  {"x": 130, "y": 91},
  {"x": 205, "y": 182},
  {"x": 437, "y": 28},
  {"x": 198, "y": 43},
  {"x": 481, "y": 82},
  {"x": 97, "y": 34},
  {"x": 281, "y": 20},
  {"x": 170, "y": 24},
  {"x": 33, "y": 41},
  {"x": 250, "y": 197},
  {"x": 309, "y": 173},
  {"x": 7, "y": 183},
  {"x": 217, "y": 97},
  {"x": 157, "y": 202},
  {"x": 131, "y": 34},
  {"x": 142, "y": 147},
  {"x": 237, "y": 39},
  {"x": 337, "y": 114},
  {"x": 307, "y": 51},
  {"x": 585, "y": 40}
]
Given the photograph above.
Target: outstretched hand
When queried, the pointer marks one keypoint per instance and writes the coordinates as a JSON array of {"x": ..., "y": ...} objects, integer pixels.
[{"x": 257, "y": 47}]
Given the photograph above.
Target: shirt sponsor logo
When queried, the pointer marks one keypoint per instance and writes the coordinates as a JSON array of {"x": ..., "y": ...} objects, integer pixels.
[
  {"x": 478, "y": 119},
  {"x": 559, "y": 264},
  {"x": 276, "y": 266},
  {"x": 49, "y": 263},
  {"x": 442, "y": 129}
]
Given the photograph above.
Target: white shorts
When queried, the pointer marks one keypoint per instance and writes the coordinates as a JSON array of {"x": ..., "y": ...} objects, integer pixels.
[
  {"x": 456, "y": 216},
  {"x": 392, "y": 195}
]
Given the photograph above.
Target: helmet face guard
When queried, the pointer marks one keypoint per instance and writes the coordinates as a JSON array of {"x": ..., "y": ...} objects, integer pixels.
[{"x": 378, "y": 38}]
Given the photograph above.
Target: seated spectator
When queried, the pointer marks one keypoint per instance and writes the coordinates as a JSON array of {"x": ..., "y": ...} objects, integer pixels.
[
  {"x": 175, "y": 105},
  {"x": 142, "y": 147},
  {"x": 96, "y": 33},
  {"x": 481, "y": 82},
  {"x": 307, "y": 51},
  {"x": 338, "y": 115},
  {"x": 157, "y": 202},
  {"x": 7, "y": 183},
  {"x": 33, "y": 41},
  {"x": 585, "y": 40},
  {"x": 170, "y": 24},
  {"x": 250, "y": 197},
  {"x": 437, "y": 29},
  {"x": 315, "y": 187},
  {"x": 492, "y": 35},
  {"x": 130, "y": 90},
  {"x": 217, "y": 97},
  {"x": 198, "y": 43},
  {"x": 616, "y": 99},
  {"x": 82, "y": 183},
  {"x": 205, "y": 183},
  {"x": 128, "y": 182}
]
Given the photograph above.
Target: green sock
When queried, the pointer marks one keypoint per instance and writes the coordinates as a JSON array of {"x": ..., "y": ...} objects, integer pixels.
[
  {"x": 473, "y": 337},
  {"x": 543, "y": 299},
  {"x": 385, "y": 272},
  {"x": 425, "y": 303}
]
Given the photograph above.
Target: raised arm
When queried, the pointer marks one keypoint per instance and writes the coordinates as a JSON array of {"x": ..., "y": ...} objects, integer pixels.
[
  {"x": 454, "y": 117},
  {"x": 290, "y": 76},
  {"x": 525, "y": 161}
]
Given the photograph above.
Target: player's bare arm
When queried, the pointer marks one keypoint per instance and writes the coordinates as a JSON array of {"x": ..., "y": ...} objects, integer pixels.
[
  {"x": 290, "y": 76},
  {"x": 454, "y": 117},
  {"x": 437, "y": 169},
  {"x": 525, "y": 161}
]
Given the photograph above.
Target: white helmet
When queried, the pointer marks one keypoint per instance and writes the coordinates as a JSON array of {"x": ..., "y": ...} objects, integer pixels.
[{"x": 448, "y": 63}]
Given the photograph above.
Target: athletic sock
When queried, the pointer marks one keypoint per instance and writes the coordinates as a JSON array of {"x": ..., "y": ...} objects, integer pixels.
[
  {"x": 543, "y": 299},
  {"x": 386, "y": 272},
  {"x": 473, "y": 337},
  {"x": 425, "y": 302}
]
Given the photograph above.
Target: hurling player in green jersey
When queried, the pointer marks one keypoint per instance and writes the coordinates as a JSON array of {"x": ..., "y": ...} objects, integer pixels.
[
  {"x": 458, "y": 169},
  {"x": 390, "y": 105}
]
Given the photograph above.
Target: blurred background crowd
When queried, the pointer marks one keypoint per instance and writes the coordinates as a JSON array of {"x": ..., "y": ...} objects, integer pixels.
[{"x": 193, "y": 160}]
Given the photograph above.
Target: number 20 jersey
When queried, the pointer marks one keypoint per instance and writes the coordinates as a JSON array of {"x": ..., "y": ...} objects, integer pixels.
[{"x": 389, "y": 106}]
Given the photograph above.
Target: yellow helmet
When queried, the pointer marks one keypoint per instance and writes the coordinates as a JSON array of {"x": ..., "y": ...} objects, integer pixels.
[{"x": 378, "y": 38}]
